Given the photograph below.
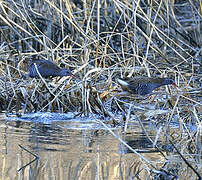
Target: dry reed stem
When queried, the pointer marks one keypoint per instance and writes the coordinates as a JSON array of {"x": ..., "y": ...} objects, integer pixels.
[{"x": 101, "y": 44}]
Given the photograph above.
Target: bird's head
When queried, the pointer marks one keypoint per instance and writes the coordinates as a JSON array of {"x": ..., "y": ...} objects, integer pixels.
[
  {"x": 66, "y": 72},
  {"x": 169, "y": 81}
]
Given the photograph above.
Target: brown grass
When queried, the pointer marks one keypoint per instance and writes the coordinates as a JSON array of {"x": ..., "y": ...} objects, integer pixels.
[{"x": 101, "y": 41}]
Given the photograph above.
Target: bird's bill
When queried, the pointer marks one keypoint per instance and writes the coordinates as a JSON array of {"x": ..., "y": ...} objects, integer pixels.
[
  {"x": 73, "y": 76},
  {"x": 174, "y": 84}
]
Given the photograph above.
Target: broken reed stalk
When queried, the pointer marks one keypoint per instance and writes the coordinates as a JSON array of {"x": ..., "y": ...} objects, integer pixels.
[
  {"x": 123, "y": 39},
  {"x": 184, "y": 159}
]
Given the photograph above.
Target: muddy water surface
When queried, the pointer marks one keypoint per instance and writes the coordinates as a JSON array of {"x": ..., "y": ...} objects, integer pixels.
[{"x": 72, "y": 148}]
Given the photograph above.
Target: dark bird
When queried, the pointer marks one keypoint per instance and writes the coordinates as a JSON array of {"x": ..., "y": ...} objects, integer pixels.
[
  {"x": 143, "y": 85},
  {"x": 46, "y": 69}
]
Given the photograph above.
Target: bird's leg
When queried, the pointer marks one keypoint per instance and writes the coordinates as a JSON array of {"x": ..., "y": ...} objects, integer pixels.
[
  {"x": 121, "y": 94},
  {"x": 25, "y": 76},
  {"x": 152, "y": 96}
]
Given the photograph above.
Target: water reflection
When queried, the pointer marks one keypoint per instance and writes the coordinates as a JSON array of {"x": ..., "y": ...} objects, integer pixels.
[{"x": 70, "y": 149}]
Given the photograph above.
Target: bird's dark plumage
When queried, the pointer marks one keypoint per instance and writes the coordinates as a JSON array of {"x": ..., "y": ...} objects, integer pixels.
[
  {"x": 46, "y": 69},
  {"x": 143, "y": 85}
]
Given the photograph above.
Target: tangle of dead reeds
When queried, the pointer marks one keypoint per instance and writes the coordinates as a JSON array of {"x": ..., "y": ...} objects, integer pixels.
[{"x": 100, "y": 41}]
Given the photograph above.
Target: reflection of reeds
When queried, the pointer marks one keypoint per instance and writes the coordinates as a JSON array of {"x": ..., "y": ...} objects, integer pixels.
[{"x": 101, "y": 41}]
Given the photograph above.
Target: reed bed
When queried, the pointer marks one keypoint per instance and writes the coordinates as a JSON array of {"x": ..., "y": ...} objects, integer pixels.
[{"x": 100, "y": 41}]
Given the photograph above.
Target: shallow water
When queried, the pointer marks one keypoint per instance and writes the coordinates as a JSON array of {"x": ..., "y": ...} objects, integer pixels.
[{"x": 72, "y": 148}]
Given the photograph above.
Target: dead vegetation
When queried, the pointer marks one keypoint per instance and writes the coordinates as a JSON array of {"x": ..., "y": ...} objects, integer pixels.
[{"x": 100, "y": 41}]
